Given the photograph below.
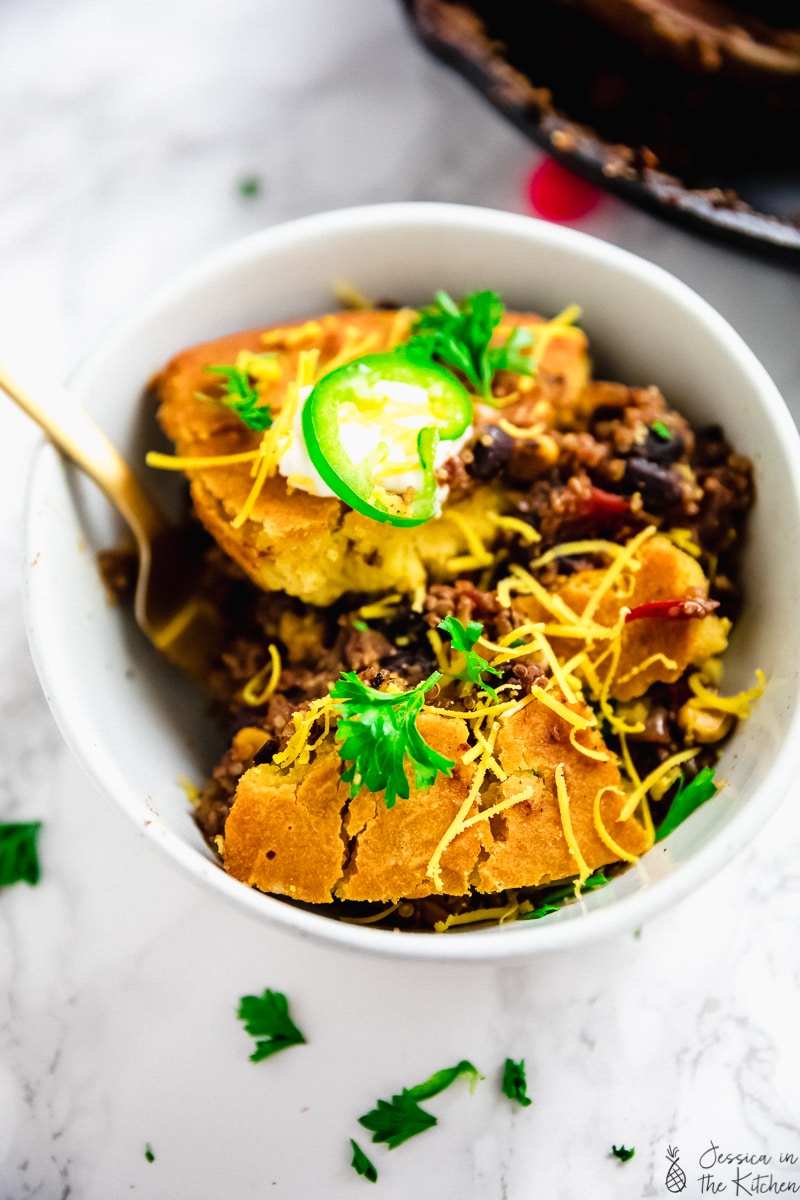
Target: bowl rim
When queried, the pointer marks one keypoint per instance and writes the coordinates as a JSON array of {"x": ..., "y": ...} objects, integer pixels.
[{"x": 487, "y": 944}]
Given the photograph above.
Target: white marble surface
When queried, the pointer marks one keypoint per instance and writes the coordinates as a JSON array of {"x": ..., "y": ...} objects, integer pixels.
[{"x": 125, "y": 130}]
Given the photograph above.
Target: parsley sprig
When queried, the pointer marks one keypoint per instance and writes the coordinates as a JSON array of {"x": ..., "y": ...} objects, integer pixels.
[
  {"x": 623, "y": 1153},
  {"x": 687, "y": 799},
  {"x": 552, "y": 899},
  {"x": 460, "y": 335},
  {"x": 19, "y": 860},
  {"x": 241, "y": 396},
  {"x": 514, "y": 1084},
  {"x": 395, "y": 1121},
  {"x": 267, "y": 1019},
  {"x": 463, "y": 639},
  {"x": 379, "y": 732},
  {"x": 361, "y": 1164}
]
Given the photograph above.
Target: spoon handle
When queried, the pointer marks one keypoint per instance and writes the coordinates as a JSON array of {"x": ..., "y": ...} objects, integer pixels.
[{"x": 74, "y": 433}]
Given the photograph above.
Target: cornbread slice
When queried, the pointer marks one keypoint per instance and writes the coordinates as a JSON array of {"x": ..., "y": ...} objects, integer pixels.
[
  {"x": 316, "y": 547},
  {"x": 295, "y": 832},
  {"x": 652, "y": 650}
]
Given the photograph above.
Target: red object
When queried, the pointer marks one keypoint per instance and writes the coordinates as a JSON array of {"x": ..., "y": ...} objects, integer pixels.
[
  {"x": 673, "y": 610},
  {"x": 597, "y": 504},
  {"x": 558, "y": 195}
]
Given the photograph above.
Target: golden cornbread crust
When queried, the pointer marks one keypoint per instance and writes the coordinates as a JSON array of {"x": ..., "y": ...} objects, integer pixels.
[{"x": 296, "y": 834}]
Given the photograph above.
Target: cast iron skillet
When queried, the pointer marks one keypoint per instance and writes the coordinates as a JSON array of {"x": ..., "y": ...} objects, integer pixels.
[{"x": 759, "y": 210}]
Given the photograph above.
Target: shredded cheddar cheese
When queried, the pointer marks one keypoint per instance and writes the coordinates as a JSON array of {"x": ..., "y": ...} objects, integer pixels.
[
  {"x": 373, "y": 918},
  {"x": 290, "y": 339},
  {"x": 433, "y": 870},
  {"x": 177, "y": 462},
  {"x": 641, "y": 790},
  {"x": 298, "y": 748},
  {"x": 477, "y": 553},
  {"x": 263, "y": 684},
  {"x": 521, "y": 432},
  {"x": 669, "y": 663},
  {"x": 738, "y": 705},
  {"x": 515, "y": 525},
  {"x": 277, "y": 439},
  {"x": 499, "y": 807},
  {"x": 262, "y": 368},
  {"x": 560, "y": 709},
  {"x": 602, "y": 832},
  {"x": 497, "y": 916},
  {"x": 566, "y": 824},
  {"x": 626, "y": 558},
  {"x": 383, "y": 608},
  {"x": 588, "y": 751}
]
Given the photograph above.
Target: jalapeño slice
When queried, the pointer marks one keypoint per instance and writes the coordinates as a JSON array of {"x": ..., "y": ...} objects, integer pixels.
[{"x": 372, "y": 428}]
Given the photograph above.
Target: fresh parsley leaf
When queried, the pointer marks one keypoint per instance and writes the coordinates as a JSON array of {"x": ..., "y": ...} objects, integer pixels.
[
  {"x": 688, "y": 798},
  {"x": 442, "y": 1079},
  {"x": 241, "y": 396},
  {"x": 250, "y": 186},
  {"x": 267, "y": 1019},
  {"x": 552, "y": 899},
  {"x": 459, "y": 335},
  {"x": 463, "y": 639},
  {"x": 514, "y": 1084},
  {"x": 148, "y": 1153},
  {"x": 362, "y": 1165},
  {"x": 395, "y": 1121},
  {"x": 19, "y": 860},
  {"x": 379, "y": 731},
  {"x": 622, "y": 1154},
  {"x": 542, "y": 910},
  {"x": 509, "y": 356}
]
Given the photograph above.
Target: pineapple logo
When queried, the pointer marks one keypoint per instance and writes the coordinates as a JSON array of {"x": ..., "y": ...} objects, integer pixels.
[{"x": 676, "y": 1177}]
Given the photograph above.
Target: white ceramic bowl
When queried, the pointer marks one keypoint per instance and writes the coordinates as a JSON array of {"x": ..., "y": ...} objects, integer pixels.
[{"x": 138, "y": 729}]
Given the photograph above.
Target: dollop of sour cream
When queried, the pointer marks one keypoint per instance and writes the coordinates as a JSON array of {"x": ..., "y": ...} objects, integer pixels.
[{"x": 360, "y": 439}]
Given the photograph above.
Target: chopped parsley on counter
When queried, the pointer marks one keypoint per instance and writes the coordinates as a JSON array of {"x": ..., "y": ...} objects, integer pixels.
[
  {"x": 395, "y": 1121},
  {"x": 363, "y": 1165},
  {"x": 514, "y": 1084},
  {"x": 19, "y": 860},
  {"x": 267, "y": 1019},
  {"x": 250, "y": 186},
  {"x": 623, "y": 1154}
]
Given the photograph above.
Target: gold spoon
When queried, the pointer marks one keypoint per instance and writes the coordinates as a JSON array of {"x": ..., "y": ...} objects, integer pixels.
[{"x": 166, "y": 605}]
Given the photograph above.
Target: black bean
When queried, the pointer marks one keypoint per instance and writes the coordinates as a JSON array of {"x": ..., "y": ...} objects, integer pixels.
[
  {"x": 267, "y": 752},
  {"x": 659, "y": 487},
  {"x": 490, "y": 453},
  {"x": 662, "y": 450}
]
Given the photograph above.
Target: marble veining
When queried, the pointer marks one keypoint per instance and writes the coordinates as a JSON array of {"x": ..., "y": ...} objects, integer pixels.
[{"x": 127, "y": 129}]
